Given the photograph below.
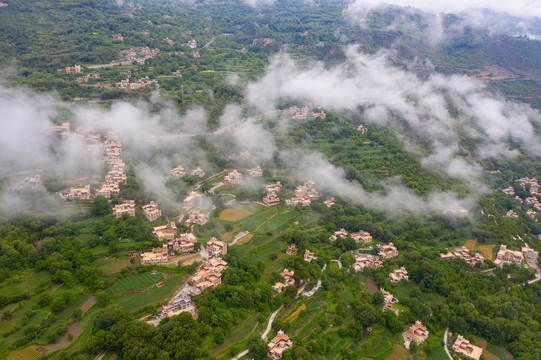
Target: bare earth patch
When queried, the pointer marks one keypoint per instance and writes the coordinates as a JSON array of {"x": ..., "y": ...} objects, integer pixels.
[
  {"x": 186, "y": 259},
  {"x": 28, "y": 353},
  {"x": 245, "y": 239},
  {"x": 234, "y": 215},
  {"x": 89, "y": 303},
  {"x": 63, "y": 341},
  {"x": 370, "y": 286},
  {"x": 486, "y": 250},
  {"x": 228, "y": 236},
  {"x": 471, "y": 245}
]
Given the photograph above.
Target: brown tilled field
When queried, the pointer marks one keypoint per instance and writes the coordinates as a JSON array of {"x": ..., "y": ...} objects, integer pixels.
[
  {"x": 234, "y": 215},
  {"x": 370, "y": 286}
]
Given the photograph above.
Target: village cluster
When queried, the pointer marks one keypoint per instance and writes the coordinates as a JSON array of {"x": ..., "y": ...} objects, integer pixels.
[{"x": 531, "y": 200}]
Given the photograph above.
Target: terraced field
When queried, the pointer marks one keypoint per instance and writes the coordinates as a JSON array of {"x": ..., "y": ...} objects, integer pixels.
[{"x": 134, "y": 282}]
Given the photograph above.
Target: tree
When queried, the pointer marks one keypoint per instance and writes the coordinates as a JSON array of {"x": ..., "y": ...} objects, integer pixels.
[
  {"x": 257, "y": 349},
  {"x": 100, "y": 206}
]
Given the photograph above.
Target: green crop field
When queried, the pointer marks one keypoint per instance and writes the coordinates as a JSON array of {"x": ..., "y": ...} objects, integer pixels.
[
  {"x": 251, "y": 222},
  {"x": 278, "y": 220},
  {"x": 132, "y": 302},
  {"x": 378, "y": 343},
  {"x": 29, "y": 284},
  {"x": 134, "y": 282}
]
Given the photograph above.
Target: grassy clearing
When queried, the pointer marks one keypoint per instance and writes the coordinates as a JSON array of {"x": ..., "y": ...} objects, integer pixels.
[
  {"x": 268, "y": 250},
  {"x": 240, "y": 333},
  {"x": 295, "y": 313},
  {"x": 27, "y": 285},
  {"x": 399, "y": 353},
  {"x": 28, "y": 353},
  {"x": 501, "y": 353},
  {"x": 437, "y": 354},
  {"x": 278, "y": 221},
  {"x": 378, "y": 343},
  {"x": 335, "y": 350},
  {"x": 234, "y": 215},
  {"x": 114, "y": 266},
  {"x": 134, "y": 282},
  {"x": 251, "y": 223},
  {"x": 132, "y": 302}
]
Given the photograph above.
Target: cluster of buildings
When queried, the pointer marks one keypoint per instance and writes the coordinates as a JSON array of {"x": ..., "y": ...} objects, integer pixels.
[
  {"x": 303, "y": 113},
  {"x": 462, "y": 346},
  {"x": 234, "y": 177},
  {"x": 309, "y": 256},
  {"x": 85, "y": 78},
  {"x": 288, "y": 280},
  {"x": 141, "y": 83},
  {"x": 361, "y": 236},
  {"x": 151, "y": 211},
  {"x": 196, "y": 218},
  {"x": 179, "y": 171},
  {"x": 417, "y": 333},
  {"x": 76, "y": 69},
  {"x": 197, "y": 172},
  {"x": 32, "y": 182},
  {"x": 116, "y": 174},
  {"x": 534, "y": 185},
  {"x": 192, "y": 44},
  {"x": 209, "y": 274},
  {"x": 366, "y": 261},
  {"x": 530, "y": 256},
  {"x": 398, "y": 275},
  {"x": 388, "y": 301},
  {"x": 463, "y": 253},
  {"x": 245, "y": 155},
  {"x": 274, "y": 187},
  {"x": 330, "y": 202},
  {"x": 506, "y": 256},
  {"x": 257, "y": 172},
  {"x": 304, "y": 194},
  {"x": 511, "y": 213},
  {"x": 169, "y": 41},
  {"x": 118, "y": 37},
  {"x": 178, "y": 305},
  {"x": 279, "y": 344},
  {"x": 145, "y": 53}
]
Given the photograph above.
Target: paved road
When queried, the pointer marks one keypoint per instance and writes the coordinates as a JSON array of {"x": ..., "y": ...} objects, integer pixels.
[
  {"x": 264, "y": 336},
  {"x": 445, "y": 343}
]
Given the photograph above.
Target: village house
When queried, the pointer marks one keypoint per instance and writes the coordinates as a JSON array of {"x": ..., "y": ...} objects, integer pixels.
[
  {"x": 32, "y": 182},
  {"x": 508, "y": 257},
  {"x": 108, "y": 190},
  {"x": 512, "y": 214},
  {"x": 321, "y": 115},
  {"x": 391, "y": 308},
  {"x": 145, "y": 32},
  {"x": 178, "y": 171},
  {"x": 151, "y": 211},
  {"x": 463, "y": 253},
  {"x": 271, "y": 199},
  {"x": 73, "y": 69},
  {"x": 534, "y": 185},
  {"x": 168, "y": 231},
  {"x": 309, "y": 256},
  {"x": 182, "y": 244},
  {"x": 196, "y": 218},
  {"x": 192, "y": 44},
  {"x": 342, "y": 234},
  {"x": 256, "y": 172},
  {"x": 216, "y": 247},
  {"x": 156, "y": 256},
  {"x": 292, "y": 250},
  {"x": 388, "y": 251},
  {"x": 362, "y": 129},
  {"x": 198, "y": 172},
  {"x": 193, "y": 200},
  {"x": 398, "y": 275},
  {"x": 464, "y": 347},
  {"x": 176, "y": 73},
  {"x": 330, "y": 202},
  {"x": 116, "y": 177},
  {"x": 63, "y": 129},
  {"x": 169, "y": 41},
  {"x": 368, "y": 261},
  {"x": 530, "y": 253},
  {"x": 118, "y": 37},
  {"x": 245, "y": 155},
  {"x": 127, "y": 208},
  {"x": 209, "y": 274},
  {"x": 362, "y": 237},
  {"x": 388, "y": 301},
  {"x": 234, "y": 177},
  {"x": 288, "y": 280},
  {"x": 274, "y": 187},
  {"x": 296, "y": 201},
  {"x": 531, "y": 213},
  {"x": 77, "y": 193},
  {"x": 279, "y": 344},
  {"x": 178, "y": 305},
  {"x": 417, "y": 333},
  {"x": 509, "y": 190}
]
